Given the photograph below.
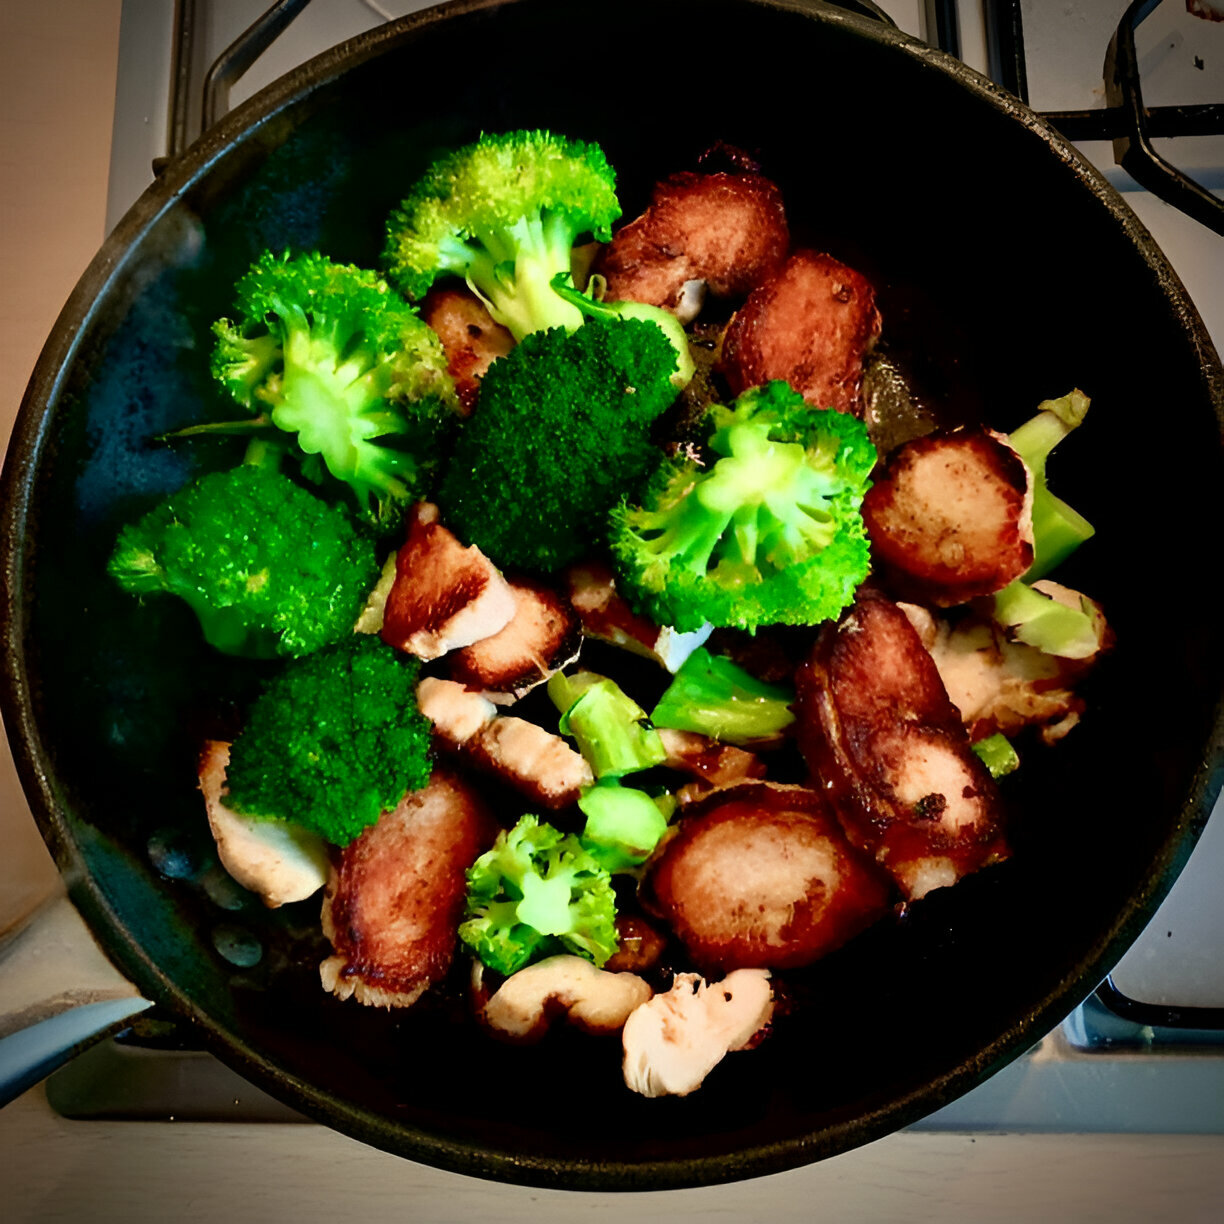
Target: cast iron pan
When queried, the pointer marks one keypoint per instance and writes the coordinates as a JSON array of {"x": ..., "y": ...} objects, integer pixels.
[{"x": 1007, "y": 272}]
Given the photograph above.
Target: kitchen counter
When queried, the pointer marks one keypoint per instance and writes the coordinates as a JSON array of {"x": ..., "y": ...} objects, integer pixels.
[{"x": 57, "y": 77}]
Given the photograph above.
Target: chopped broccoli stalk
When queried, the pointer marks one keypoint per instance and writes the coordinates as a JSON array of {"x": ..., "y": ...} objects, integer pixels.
[
  {"x": 536, "y": 892},
  {"x": 607, "y": 726},
  {"x": 1070, "y": 630},
  {"x": 333, "y": 357},
  {"x": 997, "y": 754},
  {"x": 771, "y": 533},
  {"x": 268, "y": 568},
  {"x": 1058, "y": 530},
  {"x": 712, "y": 696},
  {"x": 594, "y": 308},
  {"x": 623, "y": 825},
  {"x": 505, "y": 213},
  {"x": 560, "y": 432},
  {"x": 333, "y": 741},
  {"x": 564, "y": 690}
]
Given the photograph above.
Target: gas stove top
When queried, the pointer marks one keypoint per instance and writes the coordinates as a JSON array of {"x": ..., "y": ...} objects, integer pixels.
[{"x": 1146, "y": 1053}]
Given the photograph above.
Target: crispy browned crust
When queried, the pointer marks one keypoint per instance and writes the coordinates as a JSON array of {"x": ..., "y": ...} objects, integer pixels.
[
  {"x": 470, "y": 337},
  {"x": 891, "y": 754},
  {"x": 444, "y": 595},
  {"x": 760, "y": 875},
  {"x": 709, "y": 760},
  {"x": 395, "y": 897},
  {"x": 728, "y": 230},
  {"x": 543, "y": 636},
  {"x": 810, "y": 323},
  {"x": 949, "y": 517}
]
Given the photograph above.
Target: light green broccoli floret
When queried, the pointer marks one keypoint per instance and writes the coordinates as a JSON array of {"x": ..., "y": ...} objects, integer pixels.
[
  {"x": 623, "y": 825},
  {"x": 333, "y": 741},
  {"x": 769, "y": 532},
  {"x": 268, "y": 568},
  {"x": 607, "y": 724},
  {"x": 537, "y": 892},
  {"x": 505, "y": 213},
  {"x": 332, "y": 356}
]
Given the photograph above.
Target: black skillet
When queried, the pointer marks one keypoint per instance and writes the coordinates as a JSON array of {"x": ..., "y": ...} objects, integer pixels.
[{"x": 1007, "y": 271}]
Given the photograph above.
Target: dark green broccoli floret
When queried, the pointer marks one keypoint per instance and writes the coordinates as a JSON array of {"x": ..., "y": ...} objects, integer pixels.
[
  {"x": 333, "y": 741},
  {"x": 713, "y": 696},
  {"x": 537, "y": 892},
  {"x": 560, "y": 432},
  {"x": 267, "y": 567},
  {"x": 769, "y": 533},
  {"x": 329, "y": 354},
  {"x": 504, "y": 213}
]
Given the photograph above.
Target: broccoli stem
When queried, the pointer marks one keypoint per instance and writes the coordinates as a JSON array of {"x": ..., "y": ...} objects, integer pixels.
[
  {"x": 607, "y": 726},
  {"x": 997, "y": 754},
  {"x": 1058, "y": 530},
  {"x": 623, "y": 825},
  {"x": 1050, "y": 626},
  {"x": 712, "y": 696}
]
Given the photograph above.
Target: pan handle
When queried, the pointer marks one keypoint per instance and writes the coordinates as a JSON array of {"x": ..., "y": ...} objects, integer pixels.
[{"x": 42, "y": 1025}]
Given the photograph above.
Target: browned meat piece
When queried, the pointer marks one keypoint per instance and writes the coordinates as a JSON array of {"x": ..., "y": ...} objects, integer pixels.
[
  {"x": 533, "y": 761},
  {"x": 470, "y": 337},
  {"x": 949, "y": 517},
  {"x": 891, "y": 754},
  {"x": 710, "y": 761},
  {"x": 395, "y": 896},
  {"x": 638, "y": 945},
  {"x": 444, "y": 595},
  {"x": 811, "y": 323},
  {"x": 760, "y": 874},
  {"x": 608, "y": 618},
  {"x": 543, "y": 636},
  {"x": 728, "y": 230}
]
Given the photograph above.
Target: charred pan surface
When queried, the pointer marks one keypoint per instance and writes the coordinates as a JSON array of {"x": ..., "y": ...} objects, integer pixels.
[
  {"x": 761, "y": 875},
  {"x": 470, "y": 337},
  {"x": 543, "y": 635},
  {"x": 949, "y": 517},
  {"x": 444, "y": 596},
  {"x": 889, "y": 748},
  {"x": 395, "y": 896},
  {"x": 728, "y": 230},
  {"x": 811, "y": 323}
]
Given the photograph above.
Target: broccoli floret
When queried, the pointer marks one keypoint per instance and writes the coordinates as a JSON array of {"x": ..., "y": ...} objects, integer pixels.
[
  {"x": 560, "y": 432},
  {"x": 1051, "y": 618},
  {"x": 770, "y": 533},
  {"x": 333, "y": 741},
  {"x": 331, "y": 355},
  {"x": 268, "y": 568},
  {"x": 713, "y": 696},
  {"x": 504, "y": 213},
  {"x": 1058, "y": 530},
  {"x": 593, "y": 307},
  {"x": 538, "y": 891}
]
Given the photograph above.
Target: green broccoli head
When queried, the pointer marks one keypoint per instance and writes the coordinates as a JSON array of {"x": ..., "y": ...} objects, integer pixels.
[
  {"x": 768, "y": 533},
  {"x": 536, "y": 892},
  {"x": 268, "y": 568},
  {"x": 560, "y": 432},
  {"x": 331, "y": 355},
  {"x": 333, "y": 741},
  {"x": 504, "y": 214}
]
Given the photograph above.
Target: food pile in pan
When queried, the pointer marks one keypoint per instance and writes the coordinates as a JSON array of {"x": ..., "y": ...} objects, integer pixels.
[{"x": 627, "y": 660}]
